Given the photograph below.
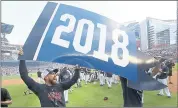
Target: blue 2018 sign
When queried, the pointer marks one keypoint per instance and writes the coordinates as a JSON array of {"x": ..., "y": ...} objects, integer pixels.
[{"x": 71, "y": 35}]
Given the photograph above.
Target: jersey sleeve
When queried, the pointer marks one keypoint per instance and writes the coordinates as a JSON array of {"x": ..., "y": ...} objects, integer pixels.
[
  {"x": 32, "y": 85},
  {"x": 67, "y": 84},
  {"x": 8, "y": 97}
]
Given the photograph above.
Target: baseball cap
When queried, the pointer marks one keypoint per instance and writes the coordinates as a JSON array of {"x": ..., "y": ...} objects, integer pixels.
[{"x": 49, "y": 71}]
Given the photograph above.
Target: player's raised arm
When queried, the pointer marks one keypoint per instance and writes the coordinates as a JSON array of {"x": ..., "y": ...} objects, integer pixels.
[
  {"x": 32, "y": 85},
  {"x": 67, "y": 84}
]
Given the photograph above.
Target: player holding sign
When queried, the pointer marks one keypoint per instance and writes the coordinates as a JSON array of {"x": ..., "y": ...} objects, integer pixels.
[
  {"x": 64, "y": 32},
  {"x": 163, "y": 78},
  {"x": 131, "y": 97},
  {"x": 50, "y": 94}
]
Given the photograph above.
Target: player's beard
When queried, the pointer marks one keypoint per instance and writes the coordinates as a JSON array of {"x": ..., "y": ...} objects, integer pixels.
[{"x": 53, "y": 81}]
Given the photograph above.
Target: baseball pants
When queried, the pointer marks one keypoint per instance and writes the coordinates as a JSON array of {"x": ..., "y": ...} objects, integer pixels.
[
  {"x": 115, "y": 79},
  {"x": 82, "y": 76},
  {"x": 109, "y": 81},
  {"x": 86, "y": 79},
  {"x": 66, "y": 95},
  {"x": 78, "y": 84},
  {"x": 142, "y": 98},
  {"x": 101, "y": 79},
  {"x": 91, "y": 78},
  {"x": 166, "y": 90}
]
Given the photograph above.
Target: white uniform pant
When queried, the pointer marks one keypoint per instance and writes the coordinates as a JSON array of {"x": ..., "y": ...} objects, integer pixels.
[
  {"x": 91, "y": 78},
  {"x": 166, "y": 90},
  {"x": 86, "y": 79},
  {"x": 115, "y": 80},
  {"x": 66, "y": 95},
  {"x": 143, "y": 98},
  {"x": 109, "y": 81},
  {"x": 78, "y": 82},
  {"x": 82, "y": 76},
  {"x": 101, "y": 77},
  {"x": 105, "y": 79}
]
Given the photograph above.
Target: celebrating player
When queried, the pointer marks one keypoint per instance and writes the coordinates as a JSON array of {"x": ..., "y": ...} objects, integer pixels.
[
  {"x": 162, "y": 77},
  {"x": 50, "y": 94}
]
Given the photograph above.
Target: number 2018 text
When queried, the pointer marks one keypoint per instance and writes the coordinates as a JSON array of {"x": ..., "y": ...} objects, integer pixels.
[{"x": 100, "y": 53}]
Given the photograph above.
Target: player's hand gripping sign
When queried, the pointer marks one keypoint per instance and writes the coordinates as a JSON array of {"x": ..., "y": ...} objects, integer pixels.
[{"x": 71, "y": 35}]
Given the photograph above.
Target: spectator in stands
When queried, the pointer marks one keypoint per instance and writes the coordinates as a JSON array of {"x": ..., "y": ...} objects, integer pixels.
[{"x": 166, "y": 52}]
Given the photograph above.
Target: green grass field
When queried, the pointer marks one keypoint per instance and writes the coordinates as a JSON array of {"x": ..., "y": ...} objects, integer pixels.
[{"x": 90, "y": 95}]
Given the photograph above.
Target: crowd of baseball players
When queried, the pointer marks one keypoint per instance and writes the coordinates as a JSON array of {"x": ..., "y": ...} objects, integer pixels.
[
  {"x": 92, "y": 76},
  {"x": 57, "y": 81}
]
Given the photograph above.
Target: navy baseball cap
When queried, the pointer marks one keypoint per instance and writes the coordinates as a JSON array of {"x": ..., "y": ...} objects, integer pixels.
[{"x": 49, "y": 71}]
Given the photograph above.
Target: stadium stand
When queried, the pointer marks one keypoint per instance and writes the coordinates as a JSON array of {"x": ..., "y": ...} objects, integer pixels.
[
  {"x": 169, "y": 52},
  {"x": 9, "y": 54}
]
